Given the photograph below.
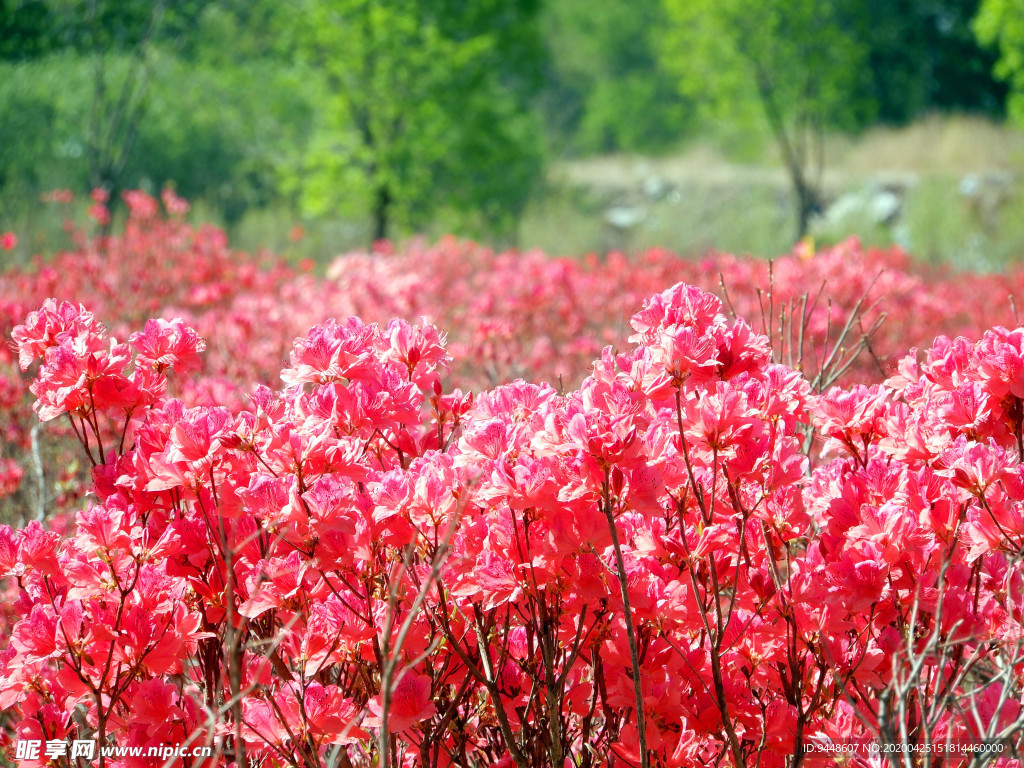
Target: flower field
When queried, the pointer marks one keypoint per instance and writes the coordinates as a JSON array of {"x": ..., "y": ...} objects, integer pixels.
[{"x": 451, "y": 507}]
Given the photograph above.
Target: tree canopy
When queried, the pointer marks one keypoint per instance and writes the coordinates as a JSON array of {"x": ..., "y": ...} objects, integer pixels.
[
  {"x": 409, "y": 115},
  {"x": 789, "y": 62},
  {"x": 424, "y": 109},
  {"x": 1000, "y": 24},
  {"x": 923, "y": 56},
  {"x": 606, "y": 87}
]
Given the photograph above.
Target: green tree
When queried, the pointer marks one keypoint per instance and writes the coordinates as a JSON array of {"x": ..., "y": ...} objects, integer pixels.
[
  {"x": 117, "y": 37},
  {"x": 108, "y": 92},
  {"x": 1000, "y": 24},
  {"x": 424, "y": 110},
  {"x": 792, "y": 63}
]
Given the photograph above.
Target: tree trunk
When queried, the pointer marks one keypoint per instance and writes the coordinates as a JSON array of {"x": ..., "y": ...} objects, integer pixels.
[
  {"x": 807, "y": 203},
  {"x": 794, "y": 153},
  {"x": 381, "y": 212}
]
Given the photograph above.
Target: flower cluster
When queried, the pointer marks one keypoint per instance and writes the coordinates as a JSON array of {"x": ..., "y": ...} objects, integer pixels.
[
  {"x": 693, "y": 558},
  {"x": 509, "y": 314}
]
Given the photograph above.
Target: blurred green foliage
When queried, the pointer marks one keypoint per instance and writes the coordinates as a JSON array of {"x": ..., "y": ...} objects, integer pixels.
[
  {"x": 406, "y": 111},
  {"x": 805, "y": 67},
  {"x": 107, "y": 94},
  {"x": 613, "y": 85},
  {"x": 424, "y": 111},
  {"x": 606, "y": 88},
  {"x": 1000, "y": 25},
  {"x": 400, "y": 116},
  {"x": 202, "y": 130},
  {"x": 923, "y": 56},
  {"x": 791, "y": 63}
]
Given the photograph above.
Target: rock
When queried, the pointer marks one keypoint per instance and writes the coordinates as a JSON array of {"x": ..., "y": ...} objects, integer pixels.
[{"x": 624, "y": 216}]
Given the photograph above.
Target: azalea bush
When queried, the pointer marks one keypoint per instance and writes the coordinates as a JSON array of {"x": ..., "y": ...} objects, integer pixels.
[
  {"x": 364, "y": 542},
  {"x": 507, "y": 314},
  {"x": 693, "y": 558}
]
